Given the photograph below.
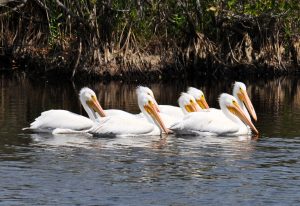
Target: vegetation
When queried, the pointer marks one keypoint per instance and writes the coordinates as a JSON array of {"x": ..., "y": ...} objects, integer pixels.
[{"x": 115, "y": 38}]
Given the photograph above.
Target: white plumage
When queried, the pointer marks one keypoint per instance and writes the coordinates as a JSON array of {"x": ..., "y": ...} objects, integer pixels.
[
  {"x": 52, "y": 119},
  {"x": 187, "y": 104},
  {"x": 65, "y": 121},
  {"x": 123, "y": 126},
  {"x": 211, "y": 123},
  {"x": 199, "y": 97},
  {"x": 185, "y": 101},
  {"x": 152, "y": 124},
  {"x": 172, "y": 111},
  {"x": 240, "y": 93}
]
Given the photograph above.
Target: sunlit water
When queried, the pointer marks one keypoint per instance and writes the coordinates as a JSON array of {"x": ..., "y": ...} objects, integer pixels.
[{"x": 42, "y": 169}]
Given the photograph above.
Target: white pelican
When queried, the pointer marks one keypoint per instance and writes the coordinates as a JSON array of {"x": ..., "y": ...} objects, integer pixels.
[
  {"x": 166, "y": 118},
  {"x": 240, "y": 93},
  {"x": 185, "y": 102},
  {"x": 131, "y": 126},
  {"x": 199, "y": 97},
  {"x": 210, "y": 123},
  {"x": 188, "y": 104},
  {"x": 164, "y": 109},
  {"x": 50, "y": 120},
  {"x": 171, "y": 114},
  {"x": 146, "y": 90}
]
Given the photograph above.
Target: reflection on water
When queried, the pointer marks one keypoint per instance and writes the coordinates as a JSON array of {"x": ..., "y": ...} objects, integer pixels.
[{"x": 45, "y": 169}]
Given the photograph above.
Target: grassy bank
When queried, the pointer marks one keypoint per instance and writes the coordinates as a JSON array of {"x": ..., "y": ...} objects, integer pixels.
[{"x": 149, "y": 38}]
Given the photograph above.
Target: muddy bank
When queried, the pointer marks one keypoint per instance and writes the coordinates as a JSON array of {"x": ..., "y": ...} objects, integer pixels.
[{"x": 113, "y": 40}]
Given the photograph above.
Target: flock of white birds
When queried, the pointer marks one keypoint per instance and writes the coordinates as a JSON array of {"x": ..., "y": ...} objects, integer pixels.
[{"x": 193, "y": 116}]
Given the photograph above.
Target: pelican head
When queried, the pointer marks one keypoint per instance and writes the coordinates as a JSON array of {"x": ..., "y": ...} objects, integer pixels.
[
  {"x": 142, "y": 89},
  {"x": 199, "y": 97},
  {"x": 240, "y": 92},
  {"x": 90, "y": 103},
  {"x": 148, "y": 91},
  {"x": 188, "y": 103},
  {"x": 148, "y": 107},
  {"x": 230, "y": 103}
]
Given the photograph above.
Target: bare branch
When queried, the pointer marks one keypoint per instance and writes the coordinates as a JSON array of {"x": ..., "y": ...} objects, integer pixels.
[{"x": 12, "y": 9}]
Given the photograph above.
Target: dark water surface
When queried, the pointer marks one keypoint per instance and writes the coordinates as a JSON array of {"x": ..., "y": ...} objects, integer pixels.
[{"x": 42, "y": 169}]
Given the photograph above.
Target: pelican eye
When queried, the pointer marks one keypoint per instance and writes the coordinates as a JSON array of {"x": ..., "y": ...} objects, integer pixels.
[
  {"x": 202, "y": 96},
  {"x": 191, "y": 101},
  {"x": 233, "y": 101},
  {"x": 150, "y": 94},
  {"x": 149, "y": 102}
]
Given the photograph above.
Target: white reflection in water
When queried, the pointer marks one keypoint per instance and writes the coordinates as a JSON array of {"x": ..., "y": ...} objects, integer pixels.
[
  {"x": 67, "y": 140},
  {"x": 190, "y": 145}
]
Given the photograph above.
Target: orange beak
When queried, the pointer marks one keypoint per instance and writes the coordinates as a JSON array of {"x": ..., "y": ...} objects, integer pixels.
[
  {"x": 155, "y": 105},
  {"x": 202, "y": 103},
  {"x": 192, "y": 107},
  {"x": 152, "y": 110},
  {"x": 243, "y": 96},
  {"x": 95, "y": 105},
  {"x": 236, "y": 110}
]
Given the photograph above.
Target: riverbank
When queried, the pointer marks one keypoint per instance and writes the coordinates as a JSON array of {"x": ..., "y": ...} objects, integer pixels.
[{"x": 149, "y": 40}]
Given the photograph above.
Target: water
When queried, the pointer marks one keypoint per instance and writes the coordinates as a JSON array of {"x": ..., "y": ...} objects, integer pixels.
[{"x": 42, "y": 169}]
